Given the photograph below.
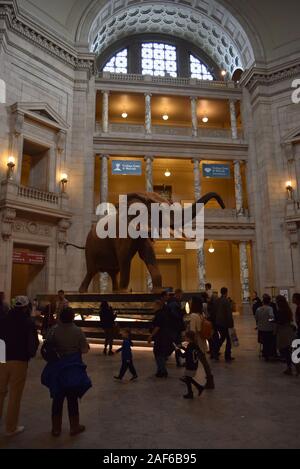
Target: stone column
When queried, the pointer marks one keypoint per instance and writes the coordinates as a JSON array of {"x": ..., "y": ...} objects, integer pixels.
[
  {"x": 244, "y": 275},
  {"x": 149, "y": 173},
  {"x": 238, "y": 189},
  {"x": 149, "y": 188},
  {"x": 104, "y": 199},
  {"x": 105, "y": 111},
  {"x": 148, "y": 114},
  {"x": 201, "y": 253},
  {"x": 194, "y": 102},
  {"x": 233, "y": 120}
]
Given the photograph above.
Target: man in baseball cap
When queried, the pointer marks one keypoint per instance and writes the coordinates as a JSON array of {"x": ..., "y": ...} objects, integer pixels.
[{"x": 21, "y": 340}]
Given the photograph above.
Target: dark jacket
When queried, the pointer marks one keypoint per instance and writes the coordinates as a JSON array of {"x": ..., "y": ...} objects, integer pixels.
[
  {"x": 4, "y": 309},
  {"x": 163, "y": 340},
  {"x": 20, "y": 336},
  {"x": 126, "y": 350},
  {"x": 107, "y": 318},
  {"x": 68, "y": 373},
  {"x": 224, "y": 316},
  {"x": 191, "y": 355},
  {"x": 176, "y": 317}
]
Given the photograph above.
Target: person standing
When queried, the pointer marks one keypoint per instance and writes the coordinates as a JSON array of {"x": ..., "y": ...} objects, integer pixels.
[
  {"x": 224, "y": 322},
  {"x": 21, "y": 340},
  {"x": 191, "y": 355},
  {"x": 66, "y": 377},
  {"x": 196, "y": 325},
  {"x": 107, "y": 321},
  {"x": 296, "y": 301},
  {"x": 4, "y": 307},
  {"x": 256, "y": 303},
  {"x": 61, "y": 303},
  {"x": 285, "y": 333},
  {"x": 127, "y": 359},
  {"x": 265, "y": 324},
  {"x": 176, "y": 321},
  {"x": 162, "y": 337}
]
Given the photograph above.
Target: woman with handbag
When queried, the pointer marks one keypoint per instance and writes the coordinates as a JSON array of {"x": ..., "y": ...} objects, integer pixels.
[
  {"x": 285, "y": 333},
  {"x": 65, "y": 374}
]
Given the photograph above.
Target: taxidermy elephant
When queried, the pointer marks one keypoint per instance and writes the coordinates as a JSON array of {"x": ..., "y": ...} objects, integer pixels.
[{"x": 114, "y": 256}]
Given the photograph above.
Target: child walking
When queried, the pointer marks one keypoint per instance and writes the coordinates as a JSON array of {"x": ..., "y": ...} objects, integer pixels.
[
  {"x": 127, "y": 359},
  {"x": 191, "y": 355}
]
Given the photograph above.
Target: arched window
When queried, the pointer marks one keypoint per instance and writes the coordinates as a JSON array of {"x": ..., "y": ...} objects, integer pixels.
[
  {"x": 199, "y": 70},
  {"x": 159, "y": 59},
  {"x": 118, "y": 63}
]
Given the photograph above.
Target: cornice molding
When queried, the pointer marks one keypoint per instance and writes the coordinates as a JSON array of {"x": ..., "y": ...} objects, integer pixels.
[
  {"x": 53, "y": 46},
  {"x": 262, "y": 76}
]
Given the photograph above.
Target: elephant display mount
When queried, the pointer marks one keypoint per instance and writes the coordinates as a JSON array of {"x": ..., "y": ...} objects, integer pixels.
[{"x": 114, "y": 256}]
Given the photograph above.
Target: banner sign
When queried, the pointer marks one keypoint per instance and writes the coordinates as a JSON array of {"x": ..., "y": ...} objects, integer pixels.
[
  {"x": 31, "y": 258},
  {"x": 126, "y": 168},
  {"x": 218, "y": 171}
]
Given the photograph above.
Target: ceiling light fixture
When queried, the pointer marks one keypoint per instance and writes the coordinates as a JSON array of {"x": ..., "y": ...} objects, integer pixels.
[
  {"x": 211, "y": 248},
  {"x": 167, "y": 173},
  {"x": 165, "y": 117},
  {"x": 124, "y": 115},
  {"x": 169, "y": 250},
  {"x": 205, "y": 120}
]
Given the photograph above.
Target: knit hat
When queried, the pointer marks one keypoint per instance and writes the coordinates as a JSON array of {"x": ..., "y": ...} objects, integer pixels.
[{"x": 21, "y": 301}]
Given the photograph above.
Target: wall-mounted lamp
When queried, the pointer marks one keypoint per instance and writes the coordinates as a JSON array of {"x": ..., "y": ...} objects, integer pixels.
[
  {"x": 11, "y": 163},
  {"x": 289, "y": 190},
  {"x": 167, "y": 173},
  {"x": 124, "y": 115},
  {"x": 165, "y": 117},
  {"x": 169, "y": 250},
  {"x": 223, "y": 73},
  {"x": 205, "y": 120},
  {"x": 64, "y": 182}
]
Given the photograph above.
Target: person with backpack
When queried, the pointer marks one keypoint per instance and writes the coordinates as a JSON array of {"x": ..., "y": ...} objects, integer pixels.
[
  {"x": 203, "y": 331},
  {"x": 65, "y": 373},
  {"x": 266, "y": 328},
  {"x": 21, "y": 342},
  {"x": 191, "y": 355}
]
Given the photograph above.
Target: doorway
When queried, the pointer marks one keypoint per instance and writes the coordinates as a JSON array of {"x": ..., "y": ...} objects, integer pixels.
[
  {"x": 170, "y": 270},
  {"x": 28, "y": 271}
]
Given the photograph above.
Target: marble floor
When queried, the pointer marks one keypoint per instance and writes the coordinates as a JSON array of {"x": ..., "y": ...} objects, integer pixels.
[{"x": 254, "y": 406}]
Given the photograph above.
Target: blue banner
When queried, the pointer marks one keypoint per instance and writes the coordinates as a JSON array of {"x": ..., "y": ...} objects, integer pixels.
[
  {"x": 126, "y": 168},
  {"x": 218, "y": 171}
]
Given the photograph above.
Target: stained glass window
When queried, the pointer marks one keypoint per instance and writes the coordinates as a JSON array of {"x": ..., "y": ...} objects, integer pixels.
[
  {"x": 159, "y": 60},
  {"x": 118, "y": 63},
  {"x": 199, "y": 70}
]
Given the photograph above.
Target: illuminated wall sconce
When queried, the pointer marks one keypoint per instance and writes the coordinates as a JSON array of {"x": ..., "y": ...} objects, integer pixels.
[
  {"x": 124, "y": 115},
  {"x": 168, "y": 173},
  {"x": 205, "y": 120},
  {"x": 11, "y": 163},
  {"x": 165, "y": 117},
  {"x": 223, "y": 73},
  {"x": 169, "y": 250},
  {"x": 290, "y": 190},
  {"x": 64, "y": 182},
  {"x": 211, "y": 249}
]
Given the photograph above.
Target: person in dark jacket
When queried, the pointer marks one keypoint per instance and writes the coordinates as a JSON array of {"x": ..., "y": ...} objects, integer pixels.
[
  {"x": 66, "y": 377},
  {"x": 224, "y": 322},
  {"x": 107, "y": 321},
  {"x": 127, "y": 359},
  {"x": 4, "y": 307},
  {"x": 163, "y": 337},
  {"x": 191, "y": 355},
  {"x": 296, "y": 301},
  {"x": 21, "y": 343},
  {"x": 256, "y": 303},
  {"x": 285, "y": 333},
  {"x": 177, "y": 325}
]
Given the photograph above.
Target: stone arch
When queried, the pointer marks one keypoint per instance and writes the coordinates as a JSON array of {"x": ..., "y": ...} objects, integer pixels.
[{"x": 209, "y": 25}]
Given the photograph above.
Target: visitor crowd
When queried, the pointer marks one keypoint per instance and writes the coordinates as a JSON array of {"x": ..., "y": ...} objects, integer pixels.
[{"x": 192, "y": 337}]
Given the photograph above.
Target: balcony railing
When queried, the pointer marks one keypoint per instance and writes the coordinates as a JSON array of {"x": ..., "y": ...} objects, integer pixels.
[
  {"x": 38, "y": 195},
  {"x": 179, "y": 81},
  {"x": 139, "y": 130}
]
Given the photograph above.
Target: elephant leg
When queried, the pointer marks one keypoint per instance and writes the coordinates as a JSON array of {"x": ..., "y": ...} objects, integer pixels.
[
  {"x": 147, "y": 254},
  {"x": 124, "y": 275},
  {"x": 114, "y": 279},
  {"x": 86, "y": 282}
]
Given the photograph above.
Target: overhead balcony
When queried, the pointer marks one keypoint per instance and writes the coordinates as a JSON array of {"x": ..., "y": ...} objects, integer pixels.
[{"x": 29, "y": 199}]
